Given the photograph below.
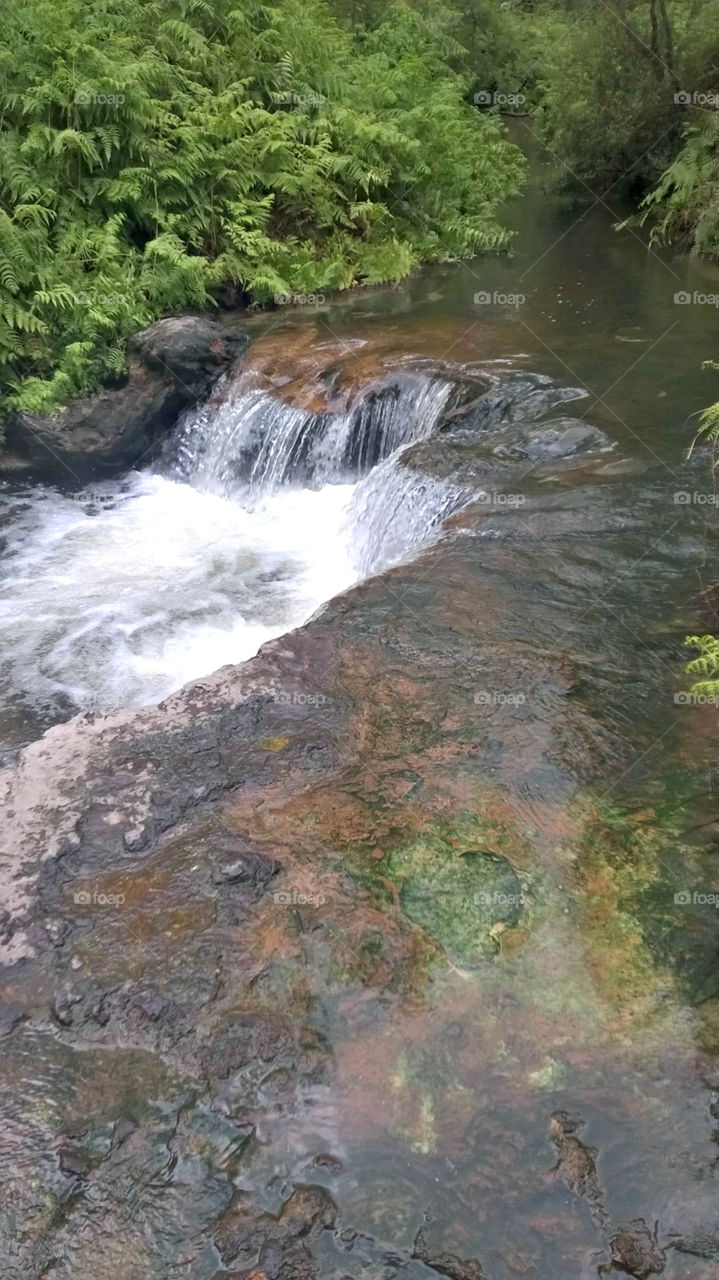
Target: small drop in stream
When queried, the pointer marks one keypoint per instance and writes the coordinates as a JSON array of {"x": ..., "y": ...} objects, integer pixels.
[{"x": 360, "y": 898}]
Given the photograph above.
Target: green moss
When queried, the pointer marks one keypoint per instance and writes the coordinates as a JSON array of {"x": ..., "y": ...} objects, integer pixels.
[{"x": 458, "y": 896}]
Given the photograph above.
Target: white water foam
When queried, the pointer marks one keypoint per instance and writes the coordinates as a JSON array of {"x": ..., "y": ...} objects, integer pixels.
[{"x": 117, "y": 596}]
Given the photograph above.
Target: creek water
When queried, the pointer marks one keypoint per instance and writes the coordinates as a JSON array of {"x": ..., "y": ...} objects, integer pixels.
[
  {"x": 117, "y": 595},
  {"x": 259, "y": 512}
]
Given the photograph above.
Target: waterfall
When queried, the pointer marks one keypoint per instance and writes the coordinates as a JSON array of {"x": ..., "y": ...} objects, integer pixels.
[
  {"x": 258, "y": 513},
  {"x": 252, "y": 443}
]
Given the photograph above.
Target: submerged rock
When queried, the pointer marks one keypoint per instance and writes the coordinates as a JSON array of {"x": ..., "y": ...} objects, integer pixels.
[
  {"x": 505, "y": 455},
  {"x": 459, "y": 899},
  {"x": 635, "y": 1250},
  {"x": 561, "y": 438},
  {"x": 577, "y": 1163},
  {"x": 277, "y": 1246},
  {"x": 446, "y": 1264}
]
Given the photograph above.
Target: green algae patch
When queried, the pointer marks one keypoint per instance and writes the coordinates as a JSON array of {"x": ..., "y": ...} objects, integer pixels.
[
  {"x": 464, "y": 900},
  {"x": 628, "y": 870}
]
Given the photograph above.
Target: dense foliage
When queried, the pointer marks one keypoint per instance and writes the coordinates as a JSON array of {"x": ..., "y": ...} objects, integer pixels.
[
  {"x": 627, "y": 97},
  {"x": 163, "y": 154},
  {"x": 159, "y": 154}
]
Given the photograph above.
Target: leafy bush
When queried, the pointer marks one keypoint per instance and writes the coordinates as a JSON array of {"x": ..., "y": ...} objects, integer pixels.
[
  {"x": 607, "y": 107},
  {"x": 705, "y": 665},
  {"x": 155, "y": 152},
  {"x": 684, "y": 206},
  {"x": 628, "y": 95}
]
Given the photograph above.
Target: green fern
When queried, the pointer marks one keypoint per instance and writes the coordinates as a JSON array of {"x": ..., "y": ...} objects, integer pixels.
[
  {"x": 706, "y": 665},
  {"x": 145, "y": 160}
]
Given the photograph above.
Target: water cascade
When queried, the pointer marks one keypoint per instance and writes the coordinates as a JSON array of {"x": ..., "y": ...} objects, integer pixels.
[{"x": 256, "y": 514}]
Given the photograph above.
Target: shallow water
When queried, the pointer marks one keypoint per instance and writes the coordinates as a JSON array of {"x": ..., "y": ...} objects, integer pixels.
[{"x": 512, "y": 731}]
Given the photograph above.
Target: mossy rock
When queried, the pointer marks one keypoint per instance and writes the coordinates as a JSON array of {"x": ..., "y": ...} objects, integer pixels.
[{"x": 460, "y": 899}]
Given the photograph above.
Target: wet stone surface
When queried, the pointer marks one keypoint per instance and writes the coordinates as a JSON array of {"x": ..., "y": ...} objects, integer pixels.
[{"x": 372, "y": 979}]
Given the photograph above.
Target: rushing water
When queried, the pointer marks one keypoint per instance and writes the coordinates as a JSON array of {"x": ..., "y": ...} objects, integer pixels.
[
  {"x": 257, "y": 514},
  {"x": 418, "y": 1095}
]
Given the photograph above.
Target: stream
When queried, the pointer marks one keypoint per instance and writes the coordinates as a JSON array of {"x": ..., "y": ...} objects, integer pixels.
[{"x": 392, "y": 952}]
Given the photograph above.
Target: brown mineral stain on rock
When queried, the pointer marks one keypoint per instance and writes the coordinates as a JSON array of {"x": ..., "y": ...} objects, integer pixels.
[{"x": 316, "y": 369}]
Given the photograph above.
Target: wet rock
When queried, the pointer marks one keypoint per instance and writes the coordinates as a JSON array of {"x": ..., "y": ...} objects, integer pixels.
[
  {"x": 64, "y": 1001},
  {"x": 518, "y": 397},
  {"x": 446, "y": 1264},
  {"x": 704, "y": 1245},
  {"x": 505, "y": 456},
  {"x": 328, "y": 1162},
  {"x": 251, "y": 1037},
  {"x": 193, "y": 349},
  {"x": 11, "y": 1015},
  {"x": 577, "y": 1163},
  {"x": 152, "y": 1004},
  {"x": 563, "y": 438},
  {"x": 246, "y": 1238},
  {"x": 241, "y": 1234},
  {"x": 139, "y": 1010},
  {"x": 294, "y": 1263},
  {"x": 309, "y": 1210},
  {"x": 237, "y": 864},
  {"x": 124, "y": 1129},
  {"x": 172, "y": 364},
  {"x": 73, "y": 1161},
  {"x": 635, "y": 1250}
]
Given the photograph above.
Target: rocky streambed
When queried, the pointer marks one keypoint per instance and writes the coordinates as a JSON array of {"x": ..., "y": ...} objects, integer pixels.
[{"x": 364, "y": 957}]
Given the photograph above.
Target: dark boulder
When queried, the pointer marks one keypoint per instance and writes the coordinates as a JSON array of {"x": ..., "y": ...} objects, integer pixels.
[{"x": 171, "y": 365}]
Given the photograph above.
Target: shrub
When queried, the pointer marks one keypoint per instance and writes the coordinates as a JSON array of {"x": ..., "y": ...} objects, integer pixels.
[{"x": 156, "y": 151}]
